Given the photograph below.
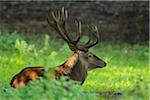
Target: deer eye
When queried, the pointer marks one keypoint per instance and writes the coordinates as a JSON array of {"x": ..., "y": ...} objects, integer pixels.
[{"x": 89, "y": 56}]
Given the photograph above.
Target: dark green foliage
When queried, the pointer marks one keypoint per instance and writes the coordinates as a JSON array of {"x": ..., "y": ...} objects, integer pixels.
[{"x": 47, "y": 90}]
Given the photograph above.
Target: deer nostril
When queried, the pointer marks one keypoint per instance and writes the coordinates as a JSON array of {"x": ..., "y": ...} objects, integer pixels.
[{"x": 105, "y": 64}]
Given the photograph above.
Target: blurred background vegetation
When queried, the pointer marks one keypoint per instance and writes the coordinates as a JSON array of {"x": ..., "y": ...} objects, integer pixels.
[{"x": 117, "y": 20}]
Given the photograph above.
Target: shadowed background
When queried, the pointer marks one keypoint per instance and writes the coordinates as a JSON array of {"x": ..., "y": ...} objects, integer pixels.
[{"x": 125, "y": 21}]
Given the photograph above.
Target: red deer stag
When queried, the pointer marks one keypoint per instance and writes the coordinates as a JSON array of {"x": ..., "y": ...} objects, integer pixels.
[{"x": 77, "y": 65}]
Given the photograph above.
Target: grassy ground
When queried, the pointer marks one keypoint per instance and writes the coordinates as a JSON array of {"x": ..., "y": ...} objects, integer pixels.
[{"x": 125, "y": 77}]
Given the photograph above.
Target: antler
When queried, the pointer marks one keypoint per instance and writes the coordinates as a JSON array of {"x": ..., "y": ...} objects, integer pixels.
[
  {"x": 58, "y": 21},
  {"x": 91, "y": 42}
]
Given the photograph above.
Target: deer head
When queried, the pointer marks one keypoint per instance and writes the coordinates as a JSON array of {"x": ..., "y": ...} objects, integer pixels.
[{"x": 58, "y": 20}]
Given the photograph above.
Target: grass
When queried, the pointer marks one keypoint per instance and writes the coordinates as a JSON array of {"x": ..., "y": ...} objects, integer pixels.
[{"x": 125, "y": 77}]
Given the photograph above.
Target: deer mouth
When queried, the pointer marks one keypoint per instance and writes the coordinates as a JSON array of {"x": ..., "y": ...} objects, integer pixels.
[{"x": 99, "y": 66}]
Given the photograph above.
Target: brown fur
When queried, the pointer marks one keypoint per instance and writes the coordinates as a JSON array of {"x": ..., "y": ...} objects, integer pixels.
[
  {"x": 27, "y": 74},
  {"x": 66, "y": 68},
  {"x": 30, "y": 73}
]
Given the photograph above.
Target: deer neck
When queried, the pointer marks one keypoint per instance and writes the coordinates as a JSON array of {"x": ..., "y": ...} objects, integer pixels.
[
  {"x": 71, "y": 62},
  {"x": 66, "y": 68},
  {"x": 74, "y": 67},
  {"x": 78, "y": 70}
]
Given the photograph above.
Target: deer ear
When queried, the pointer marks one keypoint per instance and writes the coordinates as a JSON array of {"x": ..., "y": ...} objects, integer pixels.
[{"x": 72, "y": 61}]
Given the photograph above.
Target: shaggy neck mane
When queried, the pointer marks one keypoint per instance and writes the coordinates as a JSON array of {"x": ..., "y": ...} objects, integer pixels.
[
  {"x": 71, "y": 61},
  {"x": 66, "y": 68},
  {"x": 74, "y": 68}
]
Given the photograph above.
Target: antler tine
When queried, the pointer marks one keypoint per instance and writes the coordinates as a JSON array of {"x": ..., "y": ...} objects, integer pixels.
[
  {"x": 63, "y": 18},
  {"x": 78, "y": 26},
  {"x": 58, "y": 19},
  {"x": 90, "y": 37},
  {"x": 64, "y": 14},
  {"x": 51, "y": 23},
  {"x": 89, "y": 44}
]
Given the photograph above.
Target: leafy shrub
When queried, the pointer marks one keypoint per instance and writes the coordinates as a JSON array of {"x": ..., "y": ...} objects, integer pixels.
[
  {"x": 44, "y": 89},
  {"x": 7, "y": 40}
]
